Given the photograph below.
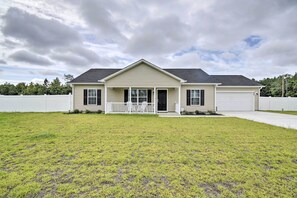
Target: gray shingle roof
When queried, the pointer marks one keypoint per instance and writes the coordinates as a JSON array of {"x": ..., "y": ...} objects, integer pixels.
[
  {"x": 193, "y": 75},
  {"x": 93, "y": 75},
  {"x": 190, "y": 75},
  {"x": 235, "y": 80}
]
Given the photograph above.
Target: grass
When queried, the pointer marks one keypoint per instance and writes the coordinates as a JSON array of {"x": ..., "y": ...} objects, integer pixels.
[
  {"x": 284, "y": 112},
  {"x": 88, "y": 155}
]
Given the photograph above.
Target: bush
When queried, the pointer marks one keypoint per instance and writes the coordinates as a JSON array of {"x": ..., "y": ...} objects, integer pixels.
[
  {"x": 76, "y": 111},
  {"x": 187, "y": 113},
  {"x": 99, "y": 112},
  {"x": 88, "y": 111},
  {"x": 199, "y": 112},
  {"x": 212, "y": 113}
]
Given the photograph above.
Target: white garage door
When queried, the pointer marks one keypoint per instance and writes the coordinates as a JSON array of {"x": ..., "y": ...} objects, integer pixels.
[{"x": 235, "y": 101}]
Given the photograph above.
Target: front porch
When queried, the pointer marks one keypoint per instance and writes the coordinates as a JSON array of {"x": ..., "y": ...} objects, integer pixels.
[{"x": 142, "y": 100}]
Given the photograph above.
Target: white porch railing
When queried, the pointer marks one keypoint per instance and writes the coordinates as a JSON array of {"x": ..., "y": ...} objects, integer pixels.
[{"x": 128, "y": 107}]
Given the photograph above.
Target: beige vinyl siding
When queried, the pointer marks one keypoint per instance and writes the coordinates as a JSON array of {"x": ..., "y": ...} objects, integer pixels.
[
  {"x": 115, "y": 95},
  {"x": 209, "y": 95},
  {"x": 142, "y": 75},
  {"x": 172, "y": 98},
  {"x": 255, "y": 90},
  {"x": 78, "y": 96}
]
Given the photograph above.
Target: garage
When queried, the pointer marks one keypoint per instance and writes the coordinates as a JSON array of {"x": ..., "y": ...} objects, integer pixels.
[{"x": 235, "y": 101}]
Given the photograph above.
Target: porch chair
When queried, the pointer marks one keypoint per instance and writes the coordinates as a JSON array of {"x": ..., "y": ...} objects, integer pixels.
[
  {"x": 143, "y": 106},
  {"x": 130, "y": 106}
]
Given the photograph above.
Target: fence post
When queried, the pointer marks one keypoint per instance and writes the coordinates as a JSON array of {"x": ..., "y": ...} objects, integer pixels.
[
  {"x": 45, "y": 102},
  {"x": 70, "y": 102}
]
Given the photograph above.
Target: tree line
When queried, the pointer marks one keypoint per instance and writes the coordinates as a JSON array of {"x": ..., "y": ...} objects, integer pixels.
[
  {"x": 273, "y": 87},
  {"x": 285, "y": 85},
  {"x": 56, "y": 87}
]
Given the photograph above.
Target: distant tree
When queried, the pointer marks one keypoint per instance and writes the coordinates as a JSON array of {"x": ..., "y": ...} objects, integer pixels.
[
  {"x": 8, "y": 89},
  {"x": 21, "y": 87},
  {"x": 46, "y": 85},
  {"x": 273, "y": 86},
  {"x": 30, "y": 90},
  {"x": 68, "y": 77},
  {"x": 55, "y": 87}
]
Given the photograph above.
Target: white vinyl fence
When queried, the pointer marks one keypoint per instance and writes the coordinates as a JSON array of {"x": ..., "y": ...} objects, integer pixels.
[
  {"x": 35, "y": 103},
  {"x": 278, "y": 103}
]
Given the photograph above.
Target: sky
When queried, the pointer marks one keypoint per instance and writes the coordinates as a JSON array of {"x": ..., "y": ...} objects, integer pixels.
[{"x": 48, "y": 38}]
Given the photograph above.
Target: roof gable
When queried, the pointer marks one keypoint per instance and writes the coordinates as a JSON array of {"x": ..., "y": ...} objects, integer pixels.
[
  {"x": 142, "y": 75},
  {"x": 137, "y": 63}
]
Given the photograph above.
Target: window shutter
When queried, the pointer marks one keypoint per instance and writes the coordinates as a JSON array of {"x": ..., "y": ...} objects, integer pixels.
[
  {"x": 98, "y": 96},
  {"x": 85, "y": 96},
  {"x": 149, "y": 96},
  {"x": 202, "y": 98},
  {"x": 126, "y": 95},
  {"x": 188, "y": 97}
]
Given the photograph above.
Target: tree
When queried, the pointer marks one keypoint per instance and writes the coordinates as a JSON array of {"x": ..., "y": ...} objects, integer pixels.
[
  {"x": 55, "y": 87},
  {"x": 273, "y": 86},
  {"x": 8, "y": 89},
  {"x": 21, "y": 87},
  {"x": 68, "y": 77}
]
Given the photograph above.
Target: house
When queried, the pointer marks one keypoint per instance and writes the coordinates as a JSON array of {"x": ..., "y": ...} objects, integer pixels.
[{"x": 143, "y": 87}]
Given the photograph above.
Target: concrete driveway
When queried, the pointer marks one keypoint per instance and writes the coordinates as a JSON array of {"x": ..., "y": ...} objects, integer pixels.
[{"x": 277, "y": 119}]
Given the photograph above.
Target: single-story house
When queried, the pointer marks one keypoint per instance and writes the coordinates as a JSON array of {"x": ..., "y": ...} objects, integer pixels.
[{"x": 143, "y": 87}]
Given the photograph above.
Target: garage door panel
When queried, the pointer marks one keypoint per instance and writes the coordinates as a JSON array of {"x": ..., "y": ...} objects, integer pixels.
[{"x": 235, "y": 101}]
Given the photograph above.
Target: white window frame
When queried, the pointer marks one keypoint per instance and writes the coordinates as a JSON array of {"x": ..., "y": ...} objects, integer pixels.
[
  {"x": 88, "y": 96},
  {"x": 199, "y": 98},
  {"x": 137, "y": 95}
]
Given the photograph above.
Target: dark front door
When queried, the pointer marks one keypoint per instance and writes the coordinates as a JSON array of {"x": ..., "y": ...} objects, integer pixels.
[{"x": 162, "y": 100}]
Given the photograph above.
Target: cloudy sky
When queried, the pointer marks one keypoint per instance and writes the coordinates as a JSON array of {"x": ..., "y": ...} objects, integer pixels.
[{"x": 48, "y": 38}]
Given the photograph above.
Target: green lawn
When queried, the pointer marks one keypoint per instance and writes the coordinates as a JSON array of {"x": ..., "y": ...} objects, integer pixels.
[
  {"x": 284, "y": 112},
  {"x": 89, "y": 155}
]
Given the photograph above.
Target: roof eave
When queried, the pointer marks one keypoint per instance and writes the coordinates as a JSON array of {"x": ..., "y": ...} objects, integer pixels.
[
  {"x": 242, "y": 86},
  {"x": 202, "y": 83},
  {"x": 85, "y": 83}
]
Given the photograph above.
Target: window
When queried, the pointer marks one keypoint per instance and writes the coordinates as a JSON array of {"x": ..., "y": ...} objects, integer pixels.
[
  {"x": 139, "y": 95},
  {"x": 195, "y": 97},
  {"x": 92, "y": 96},
  {"x": 134, "y": 95},
  {"x": 142, "y": 95}
]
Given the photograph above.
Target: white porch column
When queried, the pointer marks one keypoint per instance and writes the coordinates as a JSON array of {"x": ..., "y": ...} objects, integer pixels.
[
  {"x": 105, "y": 99},
  {"x": 155, "y": 101},
  {"x": 179, "y": 99},
  {"x": 130, "y": 99}
]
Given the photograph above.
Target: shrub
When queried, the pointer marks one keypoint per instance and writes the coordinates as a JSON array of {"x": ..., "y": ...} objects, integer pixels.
[
  {"x": 88, "y": 111},
  {"x": 99, "y": 112},
  {"x": 184, "y": 112},
  {"x": 187, "y": 113},
  {"x": 212, "y": 113},
  {"x": 76, "y": 111},
  {"x": 199, "y": 112}
]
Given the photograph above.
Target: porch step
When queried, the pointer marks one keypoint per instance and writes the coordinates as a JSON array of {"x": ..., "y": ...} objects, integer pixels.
[{"x": 170, "y": 114}]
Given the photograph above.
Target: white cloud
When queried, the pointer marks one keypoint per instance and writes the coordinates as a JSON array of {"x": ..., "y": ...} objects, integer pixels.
[
  {"x": 75, "y": 35},
  {"x": 37, "y": 80}
]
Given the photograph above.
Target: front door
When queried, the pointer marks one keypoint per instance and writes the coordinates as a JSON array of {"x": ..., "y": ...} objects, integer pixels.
[{"x": 162, "y": 100}]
